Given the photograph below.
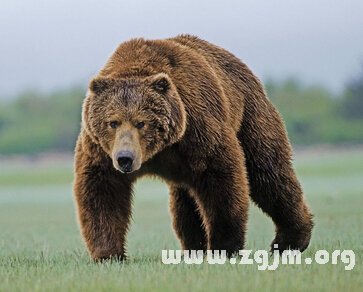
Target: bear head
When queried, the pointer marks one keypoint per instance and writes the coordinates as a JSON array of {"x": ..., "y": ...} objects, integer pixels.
[{"x": 133, "y": 118}]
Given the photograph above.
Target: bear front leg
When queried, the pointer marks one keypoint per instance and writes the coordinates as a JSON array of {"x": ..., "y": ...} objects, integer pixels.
[
  {"x": 103, "y": 199},
  {"x": 222, "y": 194},
  {"x": 187, "y": 221}
]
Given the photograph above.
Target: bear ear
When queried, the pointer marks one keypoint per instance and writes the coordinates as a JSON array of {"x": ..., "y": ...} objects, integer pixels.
[
  {"x": 160, "y": 83},
  {"x": 100, "y": 84}
]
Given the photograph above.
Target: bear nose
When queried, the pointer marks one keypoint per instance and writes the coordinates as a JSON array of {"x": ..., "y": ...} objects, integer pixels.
[{"x": 125, "y": 160}]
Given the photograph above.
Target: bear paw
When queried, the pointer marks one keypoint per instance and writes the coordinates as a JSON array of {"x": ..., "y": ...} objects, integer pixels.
[{"x": 291, "y": 239}]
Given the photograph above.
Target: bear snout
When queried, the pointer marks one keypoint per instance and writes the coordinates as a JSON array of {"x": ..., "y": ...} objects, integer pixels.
[{"x": 125, "y": 160}]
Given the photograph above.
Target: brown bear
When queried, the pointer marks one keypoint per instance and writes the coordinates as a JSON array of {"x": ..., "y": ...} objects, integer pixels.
[{"x": 193, "y": 114}]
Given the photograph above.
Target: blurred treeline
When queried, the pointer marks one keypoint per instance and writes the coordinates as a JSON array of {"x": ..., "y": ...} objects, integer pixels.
[{"x": 34, "y": 122}]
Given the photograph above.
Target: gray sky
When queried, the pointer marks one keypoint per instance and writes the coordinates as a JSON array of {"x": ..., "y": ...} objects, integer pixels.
[{"x": 54, "y": 44}]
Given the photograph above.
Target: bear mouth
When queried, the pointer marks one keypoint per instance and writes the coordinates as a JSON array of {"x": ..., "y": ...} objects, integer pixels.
[{"x": 125, "y": 169}]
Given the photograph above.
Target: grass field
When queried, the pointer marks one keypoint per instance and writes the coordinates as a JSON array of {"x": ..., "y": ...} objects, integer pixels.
[{"x": 41, "y": 249}]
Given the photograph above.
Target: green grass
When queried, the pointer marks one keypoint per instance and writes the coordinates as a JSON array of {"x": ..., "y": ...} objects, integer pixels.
[{"x": 41, "y": 249}]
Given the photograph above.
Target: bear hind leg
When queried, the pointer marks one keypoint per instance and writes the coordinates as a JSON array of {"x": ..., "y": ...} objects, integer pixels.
[
  {"x": 274, "y": 186},
  {"x": 187, "y": 221}
]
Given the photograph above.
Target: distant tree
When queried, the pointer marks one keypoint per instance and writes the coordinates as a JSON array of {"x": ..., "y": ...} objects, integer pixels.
[
  {"x": 36, "y": 122},
  {"x": 352, "y": 103},
  {"x": 304, "y": 108}
]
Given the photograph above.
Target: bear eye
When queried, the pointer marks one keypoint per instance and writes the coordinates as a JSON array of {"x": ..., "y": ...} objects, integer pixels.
[
  {"x": 114, "y": 124},
  {"x": 140, "y": 125}
]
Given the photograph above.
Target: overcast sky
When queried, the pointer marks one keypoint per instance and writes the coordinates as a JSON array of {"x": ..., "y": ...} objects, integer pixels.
[{"x": 54, "y": 44}]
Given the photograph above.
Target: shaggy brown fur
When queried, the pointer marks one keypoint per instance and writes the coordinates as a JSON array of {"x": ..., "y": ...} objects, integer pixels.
[{"x": 193, "y": 114}]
